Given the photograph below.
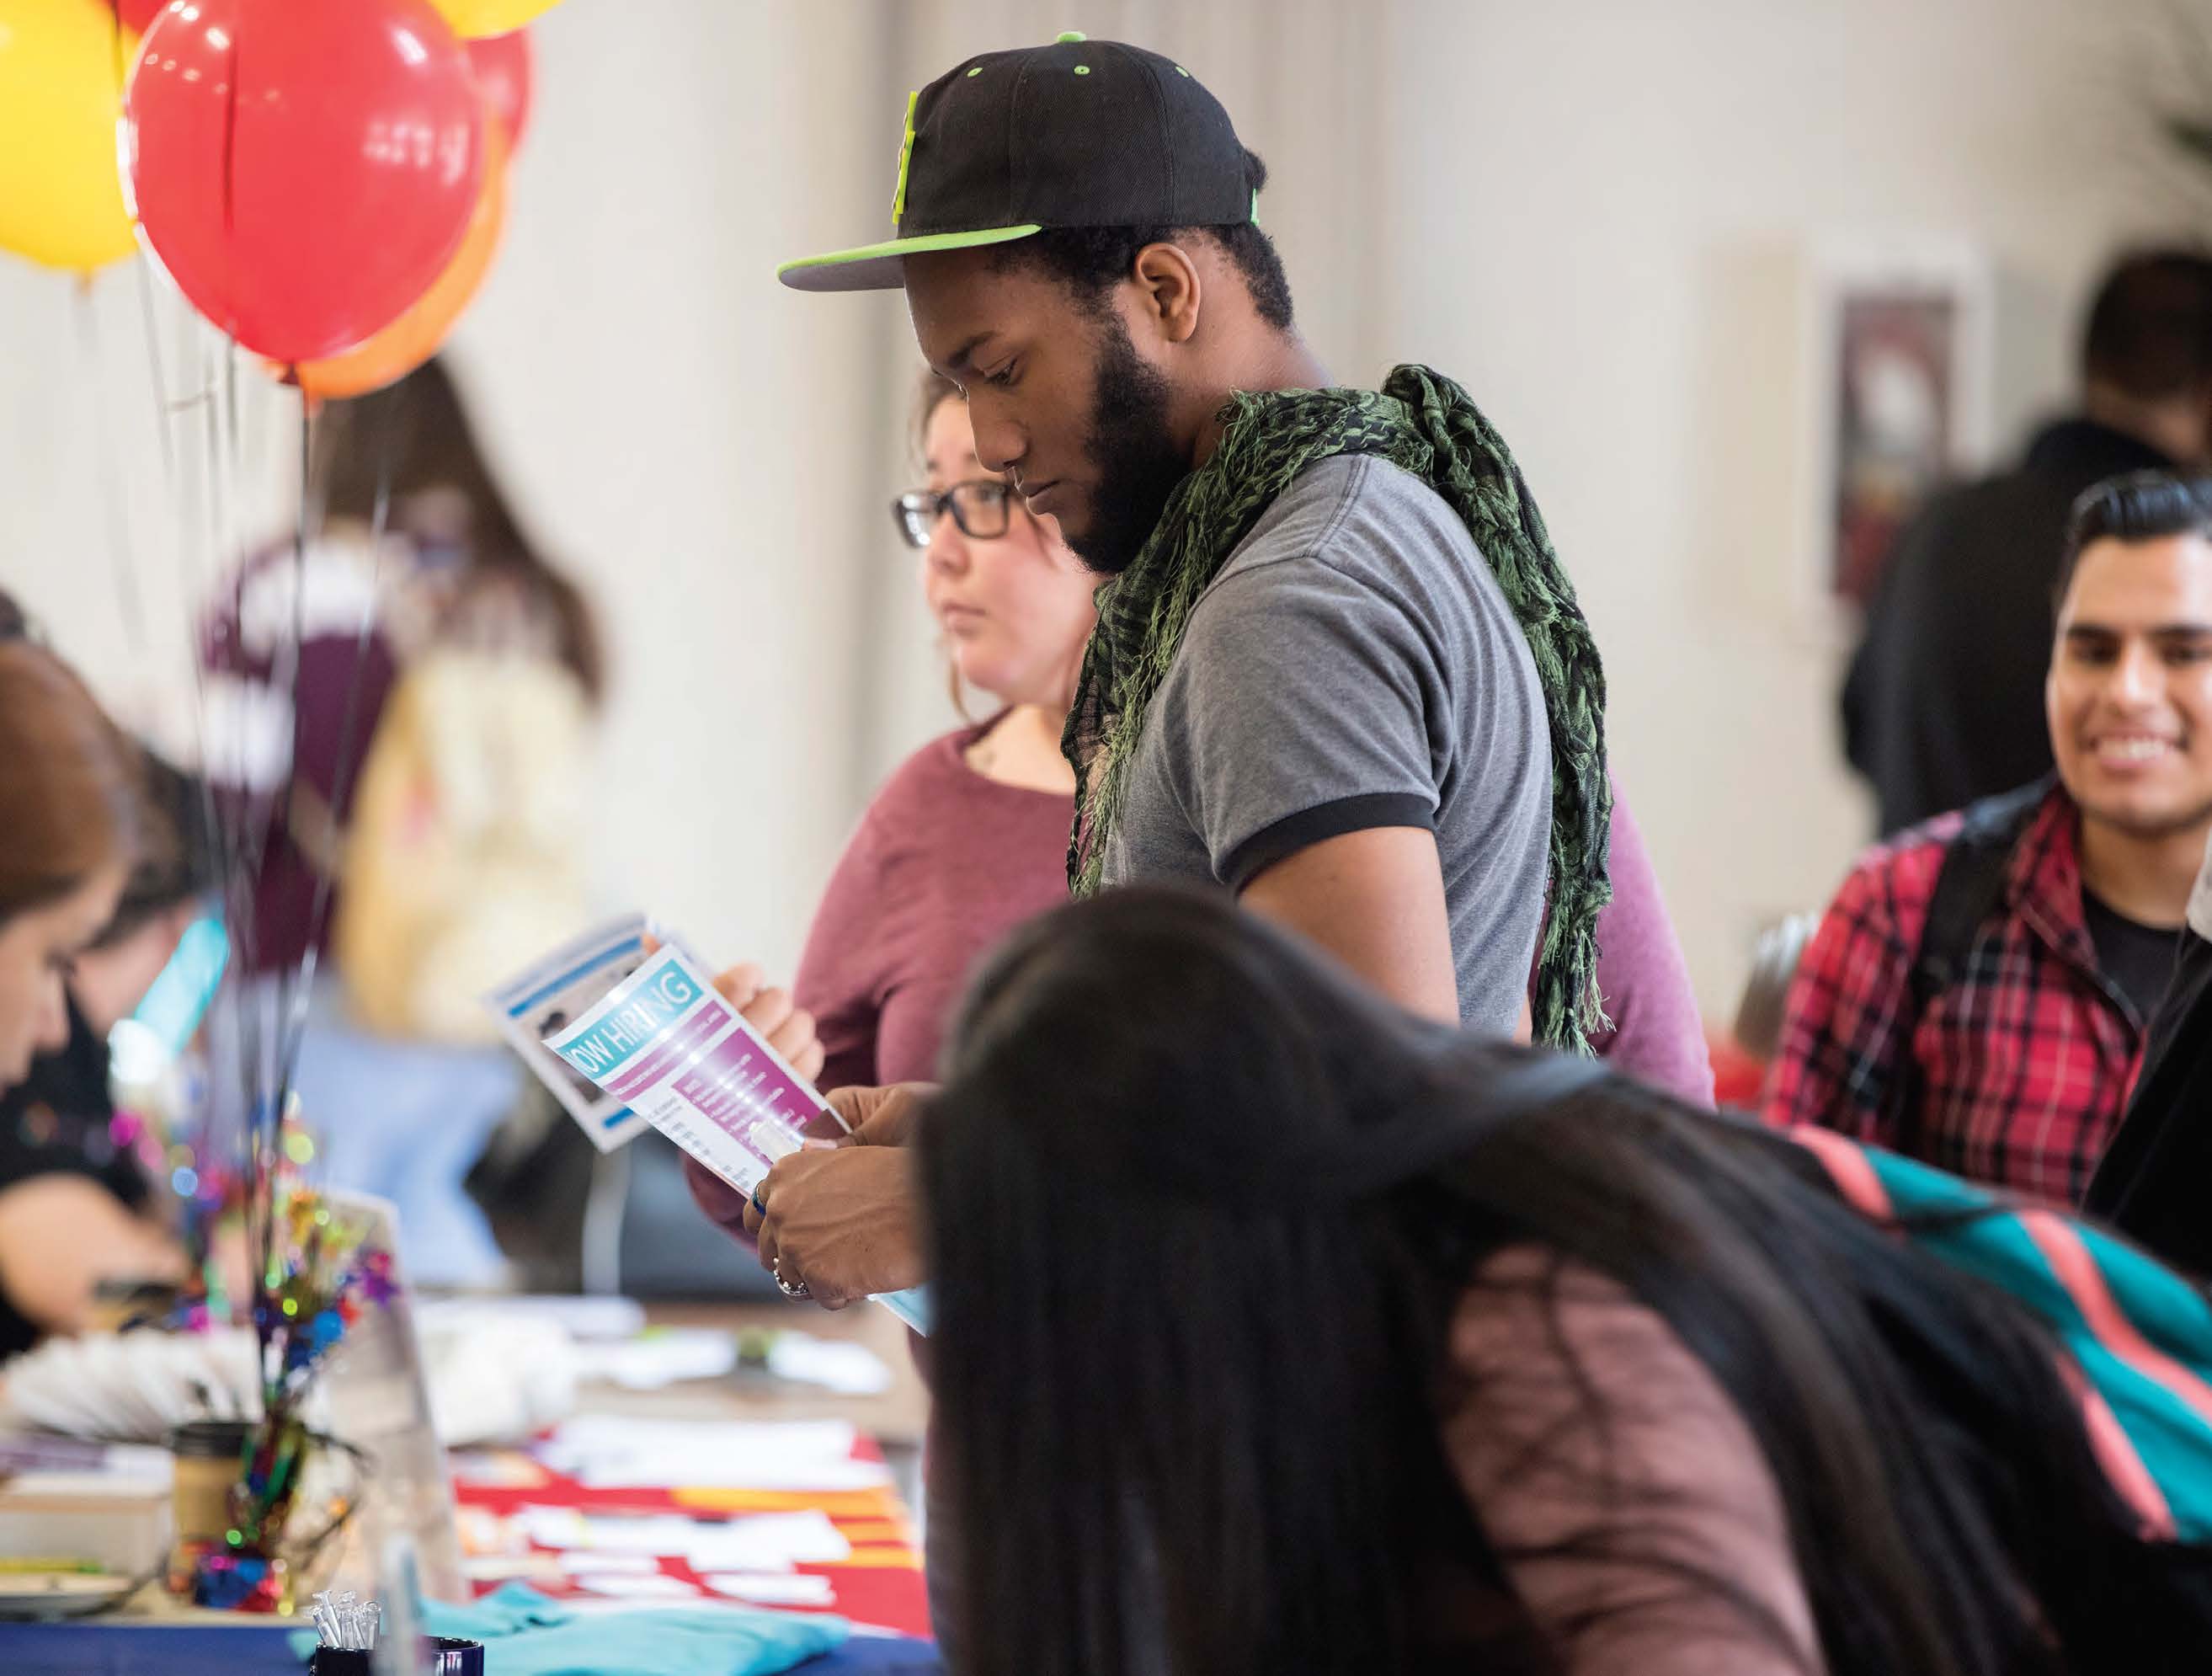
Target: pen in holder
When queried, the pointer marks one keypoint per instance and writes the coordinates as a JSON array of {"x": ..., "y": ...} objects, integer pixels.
[{"x": 346, "y": 1626}]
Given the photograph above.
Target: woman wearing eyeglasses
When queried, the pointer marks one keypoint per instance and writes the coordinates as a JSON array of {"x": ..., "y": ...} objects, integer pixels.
[{"x": 969, "y": 838}]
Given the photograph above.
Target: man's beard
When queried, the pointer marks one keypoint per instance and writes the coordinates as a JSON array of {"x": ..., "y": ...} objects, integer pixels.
[{"x": 1138, "y": 463}]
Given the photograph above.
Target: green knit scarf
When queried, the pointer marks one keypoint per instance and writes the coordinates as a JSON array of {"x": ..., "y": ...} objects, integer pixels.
[{"x": 1425, "y": 423}]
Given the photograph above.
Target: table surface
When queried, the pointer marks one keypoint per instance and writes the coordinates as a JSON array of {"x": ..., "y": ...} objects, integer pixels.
[
  {"x": 193, "y": 1641},
  {"x": 895, "y": 1418}
]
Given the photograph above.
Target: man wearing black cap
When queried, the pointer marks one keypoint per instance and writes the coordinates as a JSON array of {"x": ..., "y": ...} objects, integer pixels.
[{"x": 1338, "y": 668}]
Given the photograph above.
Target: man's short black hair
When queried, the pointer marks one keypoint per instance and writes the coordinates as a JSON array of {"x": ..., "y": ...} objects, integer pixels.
[
  {"x": 2150, "y": 329},
  {"x": 2137, "y": 506},
  {"x": 1092, "y": 259}
]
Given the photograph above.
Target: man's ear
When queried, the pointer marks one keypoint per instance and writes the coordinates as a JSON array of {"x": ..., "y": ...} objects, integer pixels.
[{"x": 1169, "y": 292}]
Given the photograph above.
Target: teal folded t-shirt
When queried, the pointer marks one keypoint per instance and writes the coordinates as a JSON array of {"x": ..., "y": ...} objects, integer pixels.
[{"x": 527, "y": 1633}]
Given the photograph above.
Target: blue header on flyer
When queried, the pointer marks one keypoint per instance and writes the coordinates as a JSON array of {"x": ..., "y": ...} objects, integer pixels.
[{"x": 664, "y": 994}]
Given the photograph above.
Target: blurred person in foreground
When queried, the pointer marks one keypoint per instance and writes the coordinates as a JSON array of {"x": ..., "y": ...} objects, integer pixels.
[
  {"x": 1940, "y": 706},
  {"x": 91, "y": 889},
  {"x": 1279, "y": 1330},
  {"x": 1976, "y": 994}
]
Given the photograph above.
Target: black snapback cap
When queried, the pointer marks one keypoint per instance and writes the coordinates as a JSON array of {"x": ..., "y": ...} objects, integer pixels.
[{"x": 1081, "y": 133}]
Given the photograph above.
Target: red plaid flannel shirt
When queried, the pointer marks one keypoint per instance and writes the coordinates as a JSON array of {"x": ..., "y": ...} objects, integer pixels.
[{"x": 2025, "y": 1061}]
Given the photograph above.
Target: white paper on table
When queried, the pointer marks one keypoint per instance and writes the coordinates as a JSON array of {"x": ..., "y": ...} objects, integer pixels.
[
  {"x": 616, "y": 1451},
  {"x": 768, "y": 1542},
  {"x": 582, "y": 1315},
  {"x": 836, "y": 1364},
  {"x": 507, "y": 1567},
  {"x": 758, "y": 1542},
  {"x": 792, "y": 1588},
  {"x": 658, "y": 1586},
  {"x": 659, "y": 1357},
  {"x": 587, "y": 1559},
  {"x": 606, "y": 1534}
]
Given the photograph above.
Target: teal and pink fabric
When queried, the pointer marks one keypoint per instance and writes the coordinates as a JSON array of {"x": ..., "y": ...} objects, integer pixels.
[{"x": 2137, "y": 1335}]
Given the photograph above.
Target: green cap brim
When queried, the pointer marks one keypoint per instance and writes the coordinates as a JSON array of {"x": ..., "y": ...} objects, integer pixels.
[{"x": 881, "y": 267}]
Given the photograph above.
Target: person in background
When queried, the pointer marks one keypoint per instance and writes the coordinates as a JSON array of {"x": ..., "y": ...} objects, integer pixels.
[
  {"x": 173, "y": 882},
  {"x": 402, "y": 465},
  {"x": 448, "y": 674},
  {"x": 968, "y": 836},
  {"x": 1976, "y": 995},
  {"x": 1275, "y": 1329},
  {"x": 1940, "y": 707},
  {"x": 73, "y": 1212}
]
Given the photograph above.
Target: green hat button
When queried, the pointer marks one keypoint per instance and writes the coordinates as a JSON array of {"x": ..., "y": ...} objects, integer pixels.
[{"x": 1069, "y": 37}]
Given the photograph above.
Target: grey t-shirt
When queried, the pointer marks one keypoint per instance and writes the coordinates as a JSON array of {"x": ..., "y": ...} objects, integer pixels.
[{"x": 1355, "y": 665}]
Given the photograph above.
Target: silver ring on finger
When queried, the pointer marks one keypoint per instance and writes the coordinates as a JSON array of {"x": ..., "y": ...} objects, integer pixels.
[{"x": 789, "y": 1288}]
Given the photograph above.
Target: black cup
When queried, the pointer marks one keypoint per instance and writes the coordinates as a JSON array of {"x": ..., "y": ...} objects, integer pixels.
[{"x": 210, "y": 1440}]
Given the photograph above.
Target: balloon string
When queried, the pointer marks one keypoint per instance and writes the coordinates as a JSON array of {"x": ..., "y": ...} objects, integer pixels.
[
  {"x": 241, "y": 857},
  {"x": 160, "y": 381},
  {"x": 293, "y": 1029},
  {"x": 215, "y": 828},
  {"x": 109, "y": 483},
  {"x": 270, "y": 836},
  {"x": 342, "y": 769}
]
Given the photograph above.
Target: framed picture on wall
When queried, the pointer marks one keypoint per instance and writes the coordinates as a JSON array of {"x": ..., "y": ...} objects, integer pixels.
[{"x": 1901, "y": 346}]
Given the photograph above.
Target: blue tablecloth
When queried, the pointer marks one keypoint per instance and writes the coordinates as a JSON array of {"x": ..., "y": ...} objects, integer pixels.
[{"x": 258, "y": 1650}]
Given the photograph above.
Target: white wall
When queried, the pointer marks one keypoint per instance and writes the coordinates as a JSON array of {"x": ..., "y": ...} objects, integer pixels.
[
  {"x": 1592, "y": 212},
  {"x": 1597, "y": 220}
]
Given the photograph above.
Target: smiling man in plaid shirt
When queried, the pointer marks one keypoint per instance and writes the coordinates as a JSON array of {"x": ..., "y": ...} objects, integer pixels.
[{"x": 1977, "y": 993}]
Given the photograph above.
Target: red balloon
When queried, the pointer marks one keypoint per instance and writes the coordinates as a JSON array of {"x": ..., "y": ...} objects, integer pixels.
[
  {"x": 304, "y": 172},
  {"x": 138, "y": 14},
  {"x": 503, "y": 66}
]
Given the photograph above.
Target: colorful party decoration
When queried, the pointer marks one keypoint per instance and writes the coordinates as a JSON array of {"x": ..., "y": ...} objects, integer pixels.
[
  {"x": 304, "y": 172},
  {"x": 502, "y": 64},
  {"x": 413, "y": 337},
  {"x": 62, "y": 64},
  {"x": 474, "y": 19},
  {"x": 320, "y": 1278}
]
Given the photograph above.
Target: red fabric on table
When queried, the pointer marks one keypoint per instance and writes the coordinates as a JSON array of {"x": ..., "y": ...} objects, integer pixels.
[{"x": 880, "y": 1586}]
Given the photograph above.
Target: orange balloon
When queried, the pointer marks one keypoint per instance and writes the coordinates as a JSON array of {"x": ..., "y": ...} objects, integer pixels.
[{"x": 413, "y": 338}]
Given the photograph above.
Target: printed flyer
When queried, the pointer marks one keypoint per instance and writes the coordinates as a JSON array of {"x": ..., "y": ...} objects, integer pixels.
[{"x": 666, "y": 1046}]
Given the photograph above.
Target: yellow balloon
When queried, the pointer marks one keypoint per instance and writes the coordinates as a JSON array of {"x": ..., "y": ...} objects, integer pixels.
[
  {"x": 62, "y": 64},
  {"x": 473, "y": 19}
]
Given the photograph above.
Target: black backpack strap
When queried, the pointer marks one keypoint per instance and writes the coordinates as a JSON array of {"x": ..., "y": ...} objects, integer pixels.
[{"x": 1970, "y": 886}]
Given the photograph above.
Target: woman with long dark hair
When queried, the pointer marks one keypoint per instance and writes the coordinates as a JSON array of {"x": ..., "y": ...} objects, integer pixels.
[
  {"x": 1277, "y": 1330},
  {"x": 75, "y": 841}
]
